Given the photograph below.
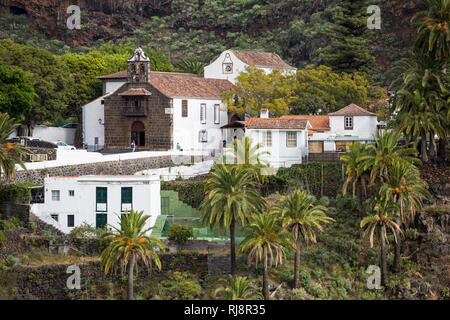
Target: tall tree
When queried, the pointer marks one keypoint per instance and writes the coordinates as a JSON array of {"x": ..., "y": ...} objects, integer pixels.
[
  {"x": 231, "y": 196},
  {"x": 433, "y": 30},
  {"x": 130, "y": 245},
  {"x": 16, "y": 92},
  {"x": 265, "y": 242},
  {"x": 383, "y": 219},
  {"x": 348, "y": 50},
  {"x": 300, "y": 216},
  {"x": 406, "y": 188},
  {"x": 255, "y": 90}
]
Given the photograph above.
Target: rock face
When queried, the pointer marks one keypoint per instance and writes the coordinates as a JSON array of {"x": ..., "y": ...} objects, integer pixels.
[{"x": 100, "y": 19}]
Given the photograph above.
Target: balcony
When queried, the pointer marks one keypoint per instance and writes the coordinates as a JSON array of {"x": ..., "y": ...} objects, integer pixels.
[{"x": 135, "y": 111}]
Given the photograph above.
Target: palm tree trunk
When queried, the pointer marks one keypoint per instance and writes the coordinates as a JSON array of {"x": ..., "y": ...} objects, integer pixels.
[
  {"x": 432, "y": 151},
  {"x": 442, "y": 145},
  {"x": 297, "y": 262},
  {"x": 359, "y": 199},
  {"x": 130, "y": 278},
  {"x": 383, "y": 256},
  {"x": 265, "y": 275},
  {"x": 232, "y": 247},
  {"x": 397, "y": 253},
  {"x": 423, "y": 146}
]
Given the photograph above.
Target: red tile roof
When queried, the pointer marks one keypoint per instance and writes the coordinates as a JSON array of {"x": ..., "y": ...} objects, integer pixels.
[
  {"x": 275, "y": 123},
  {"x": 317, "y": 122},
  {"x": 188, "y": 85},
  {"x": 352, "y": 110},
  {"x": 175, "y": 84},
  {"x": 136, "y": 92},
  {"x": 261, "y": 59}
]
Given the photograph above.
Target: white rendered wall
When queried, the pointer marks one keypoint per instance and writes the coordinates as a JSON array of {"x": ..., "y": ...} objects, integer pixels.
[
  {"x": 92, "y": 112},
  {"x": 215, "y": 71},
  {"x": 146, "y": 197},
  {"x": 363, "y": 126},
  {"x": 53, "y": 134},
  {"x": 186, "y": 130},
  {"x": 280, "y": 155},
  {"x": 112, "y": 85}
]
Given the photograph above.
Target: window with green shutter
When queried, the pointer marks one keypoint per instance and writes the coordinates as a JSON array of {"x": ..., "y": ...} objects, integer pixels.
[
  {"x": 165, "y": 205},
  {"x": 101, "y": 220},
  {"x": 127, "y": 199},
  {"x": 101, "y": 199}
]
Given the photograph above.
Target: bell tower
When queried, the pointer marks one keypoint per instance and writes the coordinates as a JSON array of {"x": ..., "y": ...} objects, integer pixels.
[{"x": 138, "y": 67}]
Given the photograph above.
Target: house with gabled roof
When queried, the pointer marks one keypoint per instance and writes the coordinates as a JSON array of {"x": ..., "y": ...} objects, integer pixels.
[{"x": 169, "y": 110}]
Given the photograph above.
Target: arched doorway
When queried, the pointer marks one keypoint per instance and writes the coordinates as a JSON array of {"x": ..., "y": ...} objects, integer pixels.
[{"x": 138, "y": 133}]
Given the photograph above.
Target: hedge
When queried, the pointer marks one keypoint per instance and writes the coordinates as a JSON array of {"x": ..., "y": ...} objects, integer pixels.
[
  {"x": 189, "y": 192},
  {"x": 15, "y": 193},
  {"x": 308, "y": 176}
]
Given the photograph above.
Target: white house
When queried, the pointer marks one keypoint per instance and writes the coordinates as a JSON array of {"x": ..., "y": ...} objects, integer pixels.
[
  {"x": 198, "y": 112},
  {"x": 232, "y": 62},
  {"x": 337, "y": 130},
  {"x": 286, "y": 140},
  {"x": 97, "y": 199}
]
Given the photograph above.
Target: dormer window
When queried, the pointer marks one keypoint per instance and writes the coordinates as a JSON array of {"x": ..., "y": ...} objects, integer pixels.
[{"x": 348, "y": 123}]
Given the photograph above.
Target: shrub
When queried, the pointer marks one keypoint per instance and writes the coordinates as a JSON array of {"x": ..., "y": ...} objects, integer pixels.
[
  {"x": 11, "y": 260},
  {"x": 15, "y": 193},
  {"x": 2, "y": 238},
  {"x": 179, "y": 233},
  {"x": 25, "y": 259},
  {"x": 83, "y": 231},
  {"x": 324, "y": 201},
  {"x": 346, "y": 202},
  {"x": 412, "y": 234},
  {"x": 301, "y": 294},
  {"x": 11, "y": 223},
  {"x": 189, "y": 192},
  {"x": 179, "y": 286}
]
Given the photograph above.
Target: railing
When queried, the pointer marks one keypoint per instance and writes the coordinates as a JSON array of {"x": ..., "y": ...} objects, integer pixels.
[{"x": 135, "y": 111}]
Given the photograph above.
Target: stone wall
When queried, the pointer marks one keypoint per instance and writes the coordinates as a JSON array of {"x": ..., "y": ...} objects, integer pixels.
[
  {"x": 21, "y": 211},
  {"x": 119, "y": 167},
  {"x": 51, "y": 153}
]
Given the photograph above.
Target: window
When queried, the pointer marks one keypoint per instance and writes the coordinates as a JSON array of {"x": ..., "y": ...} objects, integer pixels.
[
  {"x": 184, "y": 108},
  {"x": 348, "y": 122},
  {"x": 71, "y": 193},
  {"x": 101, "y": 199},
  {"x": 291, "y": 139},
  {"x": 54, "y": 217},
  {"x": 165, "y": 205},
  {"x": 101, "y": 220},
  {"x": 203, "y": 136},
  {"x": 203, "y": 113},
  {"x": 55, "y": 195},
  {"x": 267, "y": 138},
  {"x": 70, "y": 220},
  {"x": 127, "y": 198},
  {"x": 217, "y": 113}
]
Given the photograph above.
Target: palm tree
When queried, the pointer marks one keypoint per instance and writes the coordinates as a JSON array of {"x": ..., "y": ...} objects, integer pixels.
[
  {"x": 384, "y": 153},
  {"x": 433, "y": 34},
  {"x": 299, "y": 215},
  {"x": 408, "y": 190},
  {"x": 191, "y": 66},
  {"x": 265, "y": 242},
  {"x": 422, "y": 101},
  {"x": 249, "y": 156},
  {"x": 130, "y": 245},
  {"x": 10, "y": 153},
  {"x": 383, "y": 219},
  {"x": 354, "y": 170},
  {"x": 238, "y": 288},
  {"x": 231, "y": 196}
]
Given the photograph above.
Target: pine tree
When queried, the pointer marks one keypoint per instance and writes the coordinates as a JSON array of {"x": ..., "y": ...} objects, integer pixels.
[{"x": 348, "y": 50}]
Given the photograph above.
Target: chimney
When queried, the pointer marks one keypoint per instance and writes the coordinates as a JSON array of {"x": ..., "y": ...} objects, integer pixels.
[{"x": 264, "y": 113}]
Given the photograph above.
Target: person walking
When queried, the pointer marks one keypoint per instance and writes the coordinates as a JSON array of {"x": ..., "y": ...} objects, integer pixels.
[{"x": 133, "y": 146}]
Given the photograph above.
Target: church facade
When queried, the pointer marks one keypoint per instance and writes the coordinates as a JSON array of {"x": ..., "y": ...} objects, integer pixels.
[{"x": 167, "y": 110}]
